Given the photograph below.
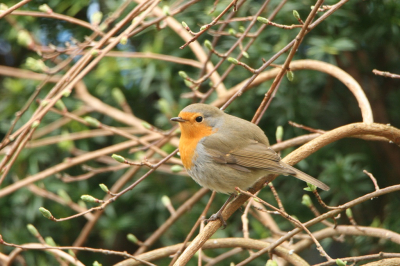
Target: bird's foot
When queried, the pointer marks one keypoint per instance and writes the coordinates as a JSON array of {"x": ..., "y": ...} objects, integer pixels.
[{"x": 217, "y": 216}]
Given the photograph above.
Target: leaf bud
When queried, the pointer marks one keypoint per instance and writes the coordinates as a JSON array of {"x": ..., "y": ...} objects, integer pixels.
[
  {"x": 45, "y": 8},
  {"x": 24, "y": 38},
  {"x": 118, "y": 158},
  {"x": 232, "y": 31},
  {"x": 104, "y": 188},
  {"x": 35, "y": 124},
  {"x": 279, "y": 133},
  {"x": 165, "y": 200},
  {"x": 118, "y": 96},
  {"x": 50, "y": 241},
  {"x": 124, "y": 40},
  {"x": 263, "y": 20},
  {"x": 92, "y": 121},
  {"x": 132, "y": 238},
  {"x": 310, "y": 187},
  {"x": 271, "y": 263},
  {"x": 290, "y": 75},
  {"x": 60, "y": 105},
  {"x": 233, "y": 60},
  {"x": 89, "y": 198},
  {"x": 46, "y": 213},
  {"x": 66, "y": 93},
  {"x": 306, "y": 200},
  {"x": 32, "y": 229},
  {"x": 208, "y": 45},
  {"x": 349, "y": 213},
  {"x": 183, "y": 74},
  {"x": 339, "y": 262},
  {"x": 296, "y": 15},
  {"x": 36, "y": 65},
  {"x": 166, "y": 10},
  {"x": 96, "y": 18}
]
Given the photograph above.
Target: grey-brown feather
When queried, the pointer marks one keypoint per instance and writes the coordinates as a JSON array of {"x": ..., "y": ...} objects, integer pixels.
[{"x": 237, "y": 154}]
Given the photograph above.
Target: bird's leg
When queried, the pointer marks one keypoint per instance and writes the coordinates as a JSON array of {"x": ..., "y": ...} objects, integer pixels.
[{"x": 218, "y": 215}]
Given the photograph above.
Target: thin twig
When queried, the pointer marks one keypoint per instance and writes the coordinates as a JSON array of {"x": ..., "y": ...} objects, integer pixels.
[
  {"x": 276, "y": 196},
  {"x": 316, "y": 194},
  {"x": 207, "y": 26},
  {"x": 372, "y": 178},
  {"x": 306, "y": 128},
  {"x": 386, "y": 74},
  {"x": 291, "y": 219},
  {"x": 95, "y": 250},
  {"x": 299, "y": 38},
  {"x": 11, "y": 9}
]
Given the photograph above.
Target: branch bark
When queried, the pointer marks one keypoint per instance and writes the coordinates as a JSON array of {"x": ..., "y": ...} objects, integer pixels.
[{"x": 389, "y": 132}]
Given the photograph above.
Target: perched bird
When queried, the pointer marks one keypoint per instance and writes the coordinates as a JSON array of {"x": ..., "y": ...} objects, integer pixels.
[{"x": 221, "y": 152}]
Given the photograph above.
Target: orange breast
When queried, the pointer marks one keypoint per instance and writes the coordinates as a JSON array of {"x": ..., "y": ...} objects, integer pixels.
[
  {"x": 190, "y": 137},
  {"x": 186, "y": 150}
]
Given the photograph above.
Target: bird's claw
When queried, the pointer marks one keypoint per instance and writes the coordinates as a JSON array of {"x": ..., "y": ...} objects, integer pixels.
[{"x": 217, "y": 216}]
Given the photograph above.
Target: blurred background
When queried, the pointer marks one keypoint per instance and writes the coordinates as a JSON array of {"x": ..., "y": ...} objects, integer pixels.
[{"x": 359, "y": 37}]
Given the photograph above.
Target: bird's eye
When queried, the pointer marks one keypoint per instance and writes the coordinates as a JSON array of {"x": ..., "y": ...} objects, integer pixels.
[{"x": 199, "y": 119}]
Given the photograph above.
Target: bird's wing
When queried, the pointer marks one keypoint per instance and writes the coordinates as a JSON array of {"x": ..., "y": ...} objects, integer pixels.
[
  {"x": 245, "y": 155},
  {"x": 251, "y": 154}
]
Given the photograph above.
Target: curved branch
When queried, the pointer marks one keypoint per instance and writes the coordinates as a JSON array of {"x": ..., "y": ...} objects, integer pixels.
[
  {"x": 394, "y": 260},
  {"x": 389, "y": 132},
  {"x": 56, "y": 252},
  {"x": 11, "y": 9},
  {"x": 330, "y": 69},
  {"x": 349, "y": 230},
  {"x": 69, "y": 19},
  {"x": 346, "y": 79},
  {"x": 245, "y": 243},
  {"x": 385, "y": 262}
]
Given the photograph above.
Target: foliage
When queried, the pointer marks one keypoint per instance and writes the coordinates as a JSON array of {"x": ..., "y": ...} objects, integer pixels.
[{"x": 359, "y": 37}]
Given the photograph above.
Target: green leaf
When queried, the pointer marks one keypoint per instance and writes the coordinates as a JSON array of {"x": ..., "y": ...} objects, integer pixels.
[{"x": 344, "y": 44}]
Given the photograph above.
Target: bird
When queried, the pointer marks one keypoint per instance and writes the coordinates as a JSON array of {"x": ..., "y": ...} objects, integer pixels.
[{"x": 221, "y": 152}]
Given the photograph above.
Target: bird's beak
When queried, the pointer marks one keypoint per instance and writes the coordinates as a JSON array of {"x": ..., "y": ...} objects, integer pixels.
[{"x": 177, "y": 119}]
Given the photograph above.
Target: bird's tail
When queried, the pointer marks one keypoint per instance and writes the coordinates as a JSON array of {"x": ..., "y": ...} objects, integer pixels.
[{"x": 307, "y": 178}]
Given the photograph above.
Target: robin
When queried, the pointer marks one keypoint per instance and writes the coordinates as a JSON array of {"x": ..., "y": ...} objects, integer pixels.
[{"x": 221, "y": 152}]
